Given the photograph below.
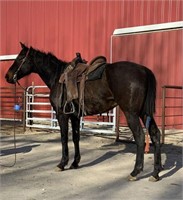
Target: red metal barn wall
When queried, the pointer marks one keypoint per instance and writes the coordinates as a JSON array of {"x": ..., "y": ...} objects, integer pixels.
[
  {"x": 67, "y": 27},
  {"x": 162, "y": 53}
]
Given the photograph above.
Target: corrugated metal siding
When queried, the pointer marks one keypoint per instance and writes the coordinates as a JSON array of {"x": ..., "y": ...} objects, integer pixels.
[
  {"x": 66, "y": 27},
  {"x": 162, "y": 53},
  {"x": 71, "y": 25}
]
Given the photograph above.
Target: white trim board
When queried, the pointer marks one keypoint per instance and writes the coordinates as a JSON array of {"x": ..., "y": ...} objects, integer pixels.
[
  {"x": 148, "y": 28},
  {"x": 8, "y": 57}
]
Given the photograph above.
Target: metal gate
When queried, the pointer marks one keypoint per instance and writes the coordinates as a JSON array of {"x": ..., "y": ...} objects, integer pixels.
[
  {"x": 172, "y": 108},
  {"x": 40, "y": 114}
]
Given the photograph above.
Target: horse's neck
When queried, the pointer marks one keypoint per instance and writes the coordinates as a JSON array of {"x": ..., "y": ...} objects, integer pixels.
[{"x": 48, "y": 69}]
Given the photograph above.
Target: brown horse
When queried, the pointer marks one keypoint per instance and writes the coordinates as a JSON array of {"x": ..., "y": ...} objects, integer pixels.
[{"x": 129, "y": 85}]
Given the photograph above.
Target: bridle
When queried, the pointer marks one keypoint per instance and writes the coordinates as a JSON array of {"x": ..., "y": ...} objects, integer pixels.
[{"x": 24, "y": 59}]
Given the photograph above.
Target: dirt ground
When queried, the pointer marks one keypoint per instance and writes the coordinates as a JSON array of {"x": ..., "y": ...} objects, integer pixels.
[{"x": 102, "y": 174}]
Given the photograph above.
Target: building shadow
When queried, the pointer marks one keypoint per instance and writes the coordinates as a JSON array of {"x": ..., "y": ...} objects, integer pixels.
[{"x": 16, "y": 150}]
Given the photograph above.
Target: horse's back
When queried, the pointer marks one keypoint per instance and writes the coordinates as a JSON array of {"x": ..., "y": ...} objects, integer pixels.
[
  {"x": 125, "y": 74},
  {"x": 125, "y": 68}
]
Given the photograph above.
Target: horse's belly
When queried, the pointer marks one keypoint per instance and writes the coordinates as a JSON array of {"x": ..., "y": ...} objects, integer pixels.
[
  {"x": 98, "y": 107},
  {"x": 98, "y": 97}
]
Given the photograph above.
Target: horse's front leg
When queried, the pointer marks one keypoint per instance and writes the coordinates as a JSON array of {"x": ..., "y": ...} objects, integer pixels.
[
  {"x": 63, "y": 123},
  {"x": 75, "y": 121}
]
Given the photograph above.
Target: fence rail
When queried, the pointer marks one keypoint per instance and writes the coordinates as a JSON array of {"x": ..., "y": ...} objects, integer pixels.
[
  {"x": 166, "y": 98},
  {"x": 39, "y": 112},
  {"x": 9, "y": 97}
]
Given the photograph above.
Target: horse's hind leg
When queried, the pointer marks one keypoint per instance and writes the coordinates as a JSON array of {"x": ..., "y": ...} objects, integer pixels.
[
  {"x": 155, "y": 138},
  {"x": 139, "y": 136},
  {"x": 75, "y": 121}
]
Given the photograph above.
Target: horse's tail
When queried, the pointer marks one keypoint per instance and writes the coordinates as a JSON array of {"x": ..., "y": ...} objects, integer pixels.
[{"x": 150, "y": 99}]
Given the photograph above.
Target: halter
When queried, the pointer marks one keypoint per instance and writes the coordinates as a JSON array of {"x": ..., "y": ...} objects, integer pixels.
[{"x": 24, "y": 59}]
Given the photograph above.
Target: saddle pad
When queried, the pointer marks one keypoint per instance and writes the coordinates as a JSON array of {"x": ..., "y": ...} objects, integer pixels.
[{"x": 97, "y": 73}]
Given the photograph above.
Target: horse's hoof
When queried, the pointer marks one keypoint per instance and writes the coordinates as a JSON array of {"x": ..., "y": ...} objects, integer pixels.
[
  {"x": 59, "y": 168},
  {"x": 74, "y": 166},
  {"x": 153, "y": 179},
  {"x": 132, "y": 178}
]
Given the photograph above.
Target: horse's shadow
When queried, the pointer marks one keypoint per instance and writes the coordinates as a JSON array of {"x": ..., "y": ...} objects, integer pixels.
[
  {"x": 108, "y": 155},
  {"x": 111, "y": 150},
  {"x": 173, "y": 161},
  {"x": 171, "y": 164}
]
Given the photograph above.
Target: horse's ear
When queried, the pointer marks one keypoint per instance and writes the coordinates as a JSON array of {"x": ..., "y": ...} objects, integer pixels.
[{"x": 22, "y": 45}]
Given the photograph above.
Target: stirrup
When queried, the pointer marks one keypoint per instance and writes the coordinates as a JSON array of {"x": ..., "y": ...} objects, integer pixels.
[{"x": 72, "y": 110}]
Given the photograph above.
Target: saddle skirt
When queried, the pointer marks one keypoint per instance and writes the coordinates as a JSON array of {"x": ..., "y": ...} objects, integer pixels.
[{"x": 78, "y": 73}]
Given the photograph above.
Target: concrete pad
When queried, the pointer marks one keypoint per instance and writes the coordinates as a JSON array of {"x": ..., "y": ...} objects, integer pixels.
[{"x": 103, "y": 171}]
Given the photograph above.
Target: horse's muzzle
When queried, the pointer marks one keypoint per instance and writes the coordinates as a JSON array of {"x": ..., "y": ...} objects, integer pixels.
[{"x": 9, "y": 78}]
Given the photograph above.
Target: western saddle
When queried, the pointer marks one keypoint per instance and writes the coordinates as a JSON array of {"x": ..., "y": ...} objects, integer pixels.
[{"x": 75, "y": 76}]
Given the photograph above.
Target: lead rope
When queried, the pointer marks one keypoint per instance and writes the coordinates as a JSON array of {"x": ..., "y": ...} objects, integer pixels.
[
  {"x": 14, "y": 137},
  {"x": 14, "y": 132}
]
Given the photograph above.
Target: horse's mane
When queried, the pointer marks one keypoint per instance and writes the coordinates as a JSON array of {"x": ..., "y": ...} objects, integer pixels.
[
  {"x": 51, "y": 57},
  {"x": 51, "y": 62},
  {"x": 55, "y": 59}
]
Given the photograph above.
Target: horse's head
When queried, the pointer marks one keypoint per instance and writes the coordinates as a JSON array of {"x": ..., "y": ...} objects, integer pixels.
[{"x": 21, "y": 67}]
